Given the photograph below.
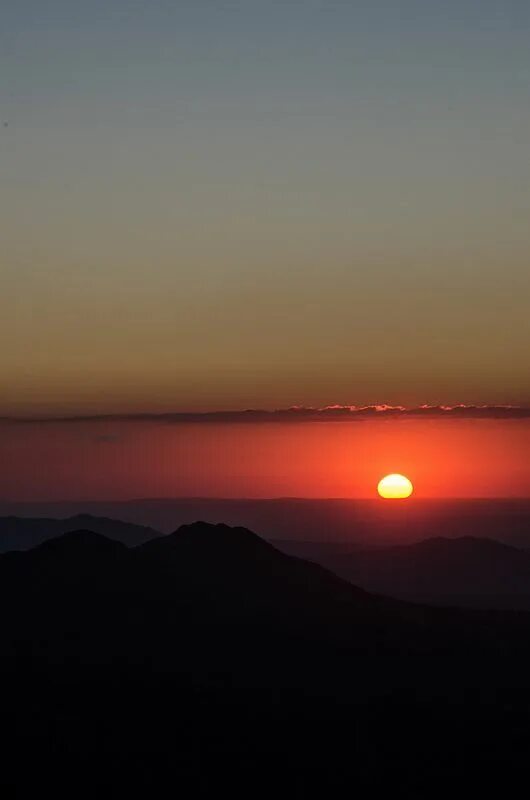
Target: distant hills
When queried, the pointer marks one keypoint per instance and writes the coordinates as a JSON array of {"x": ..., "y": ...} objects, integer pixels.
[
  {"x": 92, "y": 600},
  {"x": 208, "y": 658},
  {"x": 365, "y": 522},
  {"x": 193, "y": 597},
  {"x": 23, "y": 533},
  {"x": 468, "y": 571}
]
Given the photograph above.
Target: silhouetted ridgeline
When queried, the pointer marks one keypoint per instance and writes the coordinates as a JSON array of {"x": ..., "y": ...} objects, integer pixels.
[
  {"x": 23, "y": 533},
  {"x": 364, "y": 522},
  {"x": 471, "y": 571},
  {"x": 209, "y": 659},
  {"x": 468, "y": 571}
]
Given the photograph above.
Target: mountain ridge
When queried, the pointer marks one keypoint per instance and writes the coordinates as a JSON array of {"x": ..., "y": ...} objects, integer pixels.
[
  {"x": 471, "y": 571},
  {"x": 23, "y": 533},
  {"x": 166, "y": 664}
]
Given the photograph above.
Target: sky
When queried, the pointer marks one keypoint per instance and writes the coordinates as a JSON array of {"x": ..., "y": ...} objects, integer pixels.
[
  {"x": 118, "y": 459},
  {"x": 213, "y": 205}
]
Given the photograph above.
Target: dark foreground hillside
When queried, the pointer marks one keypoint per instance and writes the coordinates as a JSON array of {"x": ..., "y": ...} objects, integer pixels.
[{"x": 209, "y": 660}]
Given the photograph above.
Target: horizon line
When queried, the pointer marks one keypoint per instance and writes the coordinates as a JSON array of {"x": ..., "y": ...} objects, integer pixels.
[{"x": 297, "y": 414}]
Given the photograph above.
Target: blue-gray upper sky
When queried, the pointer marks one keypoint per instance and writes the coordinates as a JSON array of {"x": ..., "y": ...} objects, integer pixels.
[{"x": 212, "y": 205}]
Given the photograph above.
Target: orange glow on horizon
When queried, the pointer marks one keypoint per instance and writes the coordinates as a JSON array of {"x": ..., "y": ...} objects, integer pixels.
[{"x": 123, "y": 460}]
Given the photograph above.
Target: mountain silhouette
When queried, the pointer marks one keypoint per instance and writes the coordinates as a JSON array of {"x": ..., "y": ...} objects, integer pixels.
[
  {"x": 208, "y": 659},
  {"x": 240, "y": 568},
  {"x": 210, "y": 579},
  {"x": 362, "y": 522},
  {"x": 23, "y": 533},
  {"x": 467, "y": 571}
]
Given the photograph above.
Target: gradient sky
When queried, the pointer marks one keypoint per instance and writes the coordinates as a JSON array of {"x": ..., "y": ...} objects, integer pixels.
[
  {"x": 213, "y": 205},
  {"x": 224, "y": 205},
  {"x": 120, "y": 459}
]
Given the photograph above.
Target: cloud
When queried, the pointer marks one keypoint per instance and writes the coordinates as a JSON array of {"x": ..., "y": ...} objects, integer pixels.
[{"x": 300, "y": 414}]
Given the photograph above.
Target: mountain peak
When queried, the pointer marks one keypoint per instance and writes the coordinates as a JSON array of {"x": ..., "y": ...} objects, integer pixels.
[
  {"x": 220, "y": 534},
  {"x": 214, "y": 539},
  {"x": 82, "y": 542}
]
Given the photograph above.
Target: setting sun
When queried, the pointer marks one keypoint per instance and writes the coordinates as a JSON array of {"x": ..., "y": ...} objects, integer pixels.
[{"x": 395, "y": 487}]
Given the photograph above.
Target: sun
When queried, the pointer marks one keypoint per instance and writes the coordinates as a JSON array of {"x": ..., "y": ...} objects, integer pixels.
[{"x": 395, "y": 487}]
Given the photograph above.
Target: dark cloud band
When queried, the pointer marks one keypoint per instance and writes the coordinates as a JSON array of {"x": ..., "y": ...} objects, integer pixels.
[{"x": 298, "y": 414}]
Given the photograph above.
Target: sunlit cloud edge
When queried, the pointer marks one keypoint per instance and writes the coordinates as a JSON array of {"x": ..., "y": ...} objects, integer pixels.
[{"x": 298, "y": 414}]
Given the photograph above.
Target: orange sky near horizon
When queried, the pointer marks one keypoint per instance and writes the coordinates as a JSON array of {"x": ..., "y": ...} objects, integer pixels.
[
  {"x": 127, "y": 459},
  {"x": 211, "y": 206}
]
